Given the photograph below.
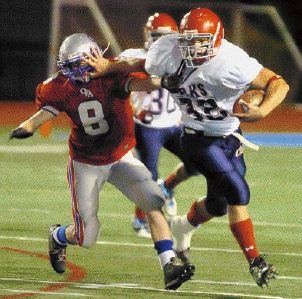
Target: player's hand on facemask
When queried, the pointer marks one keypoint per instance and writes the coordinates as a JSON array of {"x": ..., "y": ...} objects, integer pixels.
[
  {"x": 252, "y": 112},
  {"x": 98, "y": 62}
]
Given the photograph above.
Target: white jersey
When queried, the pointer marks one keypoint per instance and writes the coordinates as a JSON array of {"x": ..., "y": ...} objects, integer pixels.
[
  {"x": 207, "y": 93},
  {"x": 154, "y": 109}
]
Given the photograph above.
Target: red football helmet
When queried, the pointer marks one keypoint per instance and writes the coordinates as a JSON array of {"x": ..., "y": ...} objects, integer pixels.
[
  {"x": 201, "y": 32},
  {"x": 158, "y": 25}
]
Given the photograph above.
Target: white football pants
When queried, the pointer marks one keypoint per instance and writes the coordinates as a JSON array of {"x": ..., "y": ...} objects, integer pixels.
[{"x": 128, "y": 174}]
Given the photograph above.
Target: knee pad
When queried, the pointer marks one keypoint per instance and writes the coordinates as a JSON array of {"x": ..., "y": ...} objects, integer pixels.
[{"x": 216, "y": 207}]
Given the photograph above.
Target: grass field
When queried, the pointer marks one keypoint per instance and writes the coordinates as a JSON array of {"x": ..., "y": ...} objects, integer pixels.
[{"x": 34, "y": 195}]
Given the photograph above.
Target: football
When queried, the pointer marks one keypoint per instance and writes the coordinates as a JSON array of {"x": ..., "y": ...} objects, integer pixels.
[{"x": 254, "y": 96}]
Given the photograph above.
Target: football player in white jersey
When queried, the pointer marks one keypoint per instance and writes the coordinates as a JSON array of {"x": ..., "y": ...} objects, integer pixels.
[
  {"x": 206, "y": 74},
  {"x": 157, "y": 123}
]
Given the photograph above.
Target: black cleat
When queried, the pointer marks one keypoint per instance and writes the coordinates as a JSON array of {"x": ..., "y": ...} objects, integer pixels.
[
  {"x": 176, "y": 273},
  {"x": 57, "y": 252},
  {"x": 261, "y": 271}
]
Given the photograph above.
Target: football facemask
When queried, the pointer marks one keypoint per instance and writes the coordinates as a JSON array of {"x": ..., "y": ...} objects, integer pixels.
[
  {"x": 201, "y": 35},
  {"x": 72, "y": 52},
  {"x": 75, "y": 70},
  {"x": 196, "y": 48}
]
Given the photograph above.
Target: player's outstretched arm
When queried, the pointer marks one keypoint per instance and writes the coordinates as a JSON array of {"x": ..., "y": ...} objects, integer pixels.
[
  {"x": 169, "y": 82},
  {"x": 147, "y": 84},
  {"x": 27, "y": 128},
  {"x": 103, "y": 66}
]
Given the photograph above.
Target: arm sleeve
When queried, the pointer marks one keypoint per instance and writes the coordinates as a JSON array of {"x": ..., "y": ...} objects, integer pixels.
[
  {"x": 47, "y": 98},
  {"x": 120, "y": 85},
  {"x": 242, "y": 70},
  {"x": 164, "y": 56}
]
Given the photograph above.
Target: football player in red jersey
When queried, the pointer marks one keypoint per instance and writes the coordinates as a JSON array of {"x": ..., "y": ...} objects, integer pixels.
[{"x": 100, "y": 144}]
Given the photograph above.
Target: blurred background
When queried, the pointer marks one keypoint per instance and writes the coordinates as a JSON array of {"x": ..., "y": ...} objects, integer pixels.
[{"x": 31, "y": 32}]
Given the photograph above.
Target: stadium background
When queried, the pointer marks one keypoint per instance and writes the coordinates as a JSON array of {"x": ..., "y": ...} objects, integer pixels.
[
  {"x": 34, "y": 191},
  {"x": 25, "y": 46},
  {"x": 25, "y": 35}
]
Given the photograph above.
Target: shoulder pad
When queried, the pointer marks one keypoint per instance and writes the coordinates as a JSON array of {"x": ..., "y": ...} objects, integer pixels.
[
  {"x": 164, "y": 56},
  {"x": 133, "y": 53}
]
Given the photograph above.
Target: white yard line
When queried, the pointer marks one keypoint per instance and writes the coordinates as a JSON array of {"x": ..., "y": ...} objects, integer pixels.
[
  {"x": 94, "y": 286},
  {"x": 261, "y": 223},
  {"x": 220, "y": 221},
  {"x": 125, "y": 216},
  {"x": 47, "y": 293},
  {"x": 34, "y": 149},
  {"x": 141, "y": 245}
]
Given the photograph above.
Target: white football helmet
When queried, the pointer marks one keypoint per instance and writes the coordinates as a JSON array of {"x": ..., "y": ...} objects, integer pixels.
[{"x": 72, "y": 51}]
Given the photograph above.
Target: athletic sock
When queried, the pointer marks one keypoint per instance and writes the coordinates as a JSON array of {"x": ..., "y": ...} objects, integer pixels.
[
  {"x": 243, "y": 231},
  {"x": 171, "y": 182},
  {"x": 139, "y": 214},
  {"x": 60, "y": 235},
  {"x": 165, "y": 251},
  {"x": 193, "y": 216}
]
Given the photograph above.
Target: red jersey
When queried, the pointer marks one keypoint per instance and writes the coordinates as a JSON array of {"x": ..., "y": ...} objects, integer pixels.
[{"x": 100, "y": 113}]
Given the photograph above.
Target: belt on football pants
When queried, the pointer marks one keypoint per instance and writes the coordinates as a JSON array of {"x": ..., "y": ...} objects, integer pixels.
[{"x": 243, "y": 140}]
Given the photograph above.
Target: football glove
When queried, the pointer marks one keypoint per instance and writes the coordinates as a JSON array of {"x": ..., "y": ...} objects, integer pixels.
[
  {"x": 20, "y": 133},
  {"x": 171, "y": 82}
]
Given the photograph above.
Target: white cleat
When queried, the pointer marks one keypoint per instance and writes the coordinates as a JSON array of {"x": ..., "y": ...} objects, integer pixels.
[
  {"x": 182, "y": 233},
  {"x": 170, "y": 207},
  {"x": 141, "y": 228},
  {"x": 144, "y": 233}
]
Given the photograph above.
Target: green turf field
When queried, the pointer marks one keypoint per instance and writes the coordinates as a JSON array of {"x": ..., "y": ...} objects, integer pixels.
[{"x": 34, "y": 195}]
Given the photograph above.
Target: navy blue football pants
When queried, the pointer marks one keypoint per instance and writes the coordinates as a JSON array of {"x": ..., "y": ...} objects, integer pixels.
[
  {"x": 149, "y": 142},
  {"x": 220, "y": 161}
]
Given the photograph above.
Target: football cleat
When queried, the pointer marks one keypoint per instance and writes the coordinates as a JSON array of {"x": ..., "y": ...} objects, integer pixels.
[
  {"x": 182, "y": 240},
  {"x": 141, "y": 228},
  {"x": 57, "y": 252},
  {"x": 176, "y": 273},
  {"x": 170, "y": 206},
  {"x": 262, "y": 271}
]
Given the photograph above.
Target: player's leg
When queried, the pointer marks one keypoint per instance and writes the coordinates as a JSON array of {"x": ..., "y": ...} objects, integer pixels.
[
  {"x": 148, "y": 142},
  {"x": 200, "y": 212},
  {"x": 242, "y": 228},
  {"x": 209, "y": 158},
  {"x": 196, "y": 150},
  {"x": 171, "y": 137},
  {"x": 173, "y": 145},
  {"x": 133, "y": 179},
  {"x": 84, "y": 183}
]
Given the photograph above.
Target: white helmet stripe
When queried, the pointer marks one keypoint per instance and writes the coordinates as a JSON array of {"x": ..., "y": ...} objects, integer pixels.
[{"x": 216, "y": 33}]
